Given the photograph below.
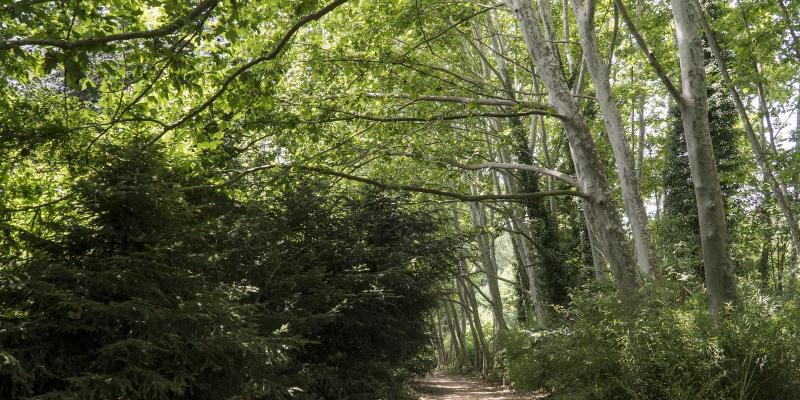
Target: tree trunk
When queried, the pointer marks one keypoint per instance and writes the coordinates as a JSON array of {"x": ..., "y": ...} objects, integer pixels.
[
  {"x": 777, "y": 186},
  {"x": 521, "y": 235},
  {"x": 466, "y": 313},
  {"x": 694, "y": 112},
  {"x": 479, "y": 339},
  {"x": 629, "y": 182},
  {"x": 456, "y": 333},
  {"x": 439, "y": 341},
  {"x": 640, "y": 155},
  {"x": 488, "y": 263},
  {"x": 588, "y": 166}
]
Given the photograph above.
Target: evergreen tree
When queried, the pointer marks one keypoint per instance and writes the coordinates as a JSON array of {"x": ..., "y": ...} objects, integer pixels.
[{"x": 116, "y": 305}]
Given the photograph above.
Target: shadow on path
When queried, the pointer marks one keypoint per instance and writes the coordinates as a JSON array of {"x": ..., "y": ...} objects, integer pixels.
[{"x": 444, "y": 387}]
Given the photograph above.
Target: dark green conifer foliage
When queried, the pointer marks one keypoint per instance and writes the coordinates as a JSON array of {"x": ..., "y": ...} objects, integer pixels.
[
  {"x": 117, "y": 306},
  {"x": 153, "y": 292},
  {"x": 363, "y": 270}
]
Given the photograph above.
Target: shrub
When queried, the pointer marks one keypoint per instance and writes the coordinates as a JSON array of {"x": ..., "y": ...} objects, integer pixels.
[{"x": 667, "y": 348}]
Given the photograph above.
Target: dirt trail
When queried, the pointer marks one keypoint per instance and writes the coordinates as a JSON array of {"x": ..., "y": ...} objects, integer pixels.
[{"x": 443, "y": 387}]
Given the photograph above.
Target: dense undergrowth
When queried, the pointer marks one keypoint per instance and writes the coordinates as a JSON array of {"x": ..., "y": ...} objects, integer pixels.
[
  {"x": 146, "y": 290},
  {"x": 666, "y": 348}
]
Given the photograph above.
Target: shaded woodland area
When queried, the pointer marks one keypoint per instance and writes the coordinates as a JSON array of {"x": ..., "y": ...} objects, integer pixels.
[{"x": 316, "y": 199}]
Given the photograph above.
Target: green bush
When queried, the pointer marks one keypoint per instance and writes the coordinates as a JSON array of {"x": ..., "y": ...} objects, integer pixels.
[
  {"x": 151, "y": 292},
  {"x": 666, "y": 348}
]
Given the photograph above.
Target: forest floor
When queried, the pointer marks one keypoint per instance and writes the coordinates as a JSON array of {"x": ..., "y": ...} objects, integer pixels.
[{"x": 448, "y": 387}]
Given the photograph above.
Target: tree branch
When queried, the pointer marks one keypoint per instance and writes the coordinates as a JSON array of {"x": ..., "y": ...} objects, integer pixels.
[
  {"x": 37, "y": 206},
  {"x": 167, "y": 29},
  {"x": 460, "y": 100},
  {"x": 435, "y": 118},
  {"x": 651, "y": 58},
  {"x": 392, "y": 186},
  {"x": 568, "y": 179},
  {"x": 238, "y": 71}
]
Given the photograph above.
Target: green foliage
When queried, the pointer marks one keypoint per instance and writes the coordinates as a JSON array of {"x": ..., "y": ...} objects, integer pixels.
[
  {"x": 155, "y": 292},
  {"x": 365, "y": 269},
  {"x": 117, "y": 306},
  {"x": 667, "y": 348},
  {"x": 678, "y": 229}
]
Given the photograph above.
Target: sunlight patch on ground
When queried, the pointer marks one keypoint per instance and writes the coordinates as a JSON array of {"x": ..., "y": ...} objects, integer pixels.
[{"x": 441, "y": 387}]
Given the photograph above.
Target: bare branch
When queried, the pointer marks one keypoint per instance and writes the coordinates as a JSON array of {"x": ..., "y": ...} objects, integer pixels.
[{"x": 435, "y": 118}]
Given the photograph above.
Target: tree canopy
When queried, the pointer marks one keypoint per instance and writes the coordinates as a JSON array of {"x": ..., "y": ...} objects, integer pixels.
[{"x": 321, "y": 199}]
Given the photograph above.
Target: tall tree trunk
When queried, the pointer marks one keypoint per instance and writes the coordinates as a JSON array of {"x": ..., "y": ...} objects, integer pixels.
[
  {"x": 717, "y": 262},
  {"x": 483, "y": 356},
  {"x": 456, "y": 333},
  {"x": 488, "y": 263},
  {"x": 588, "y": 166},
  {"x": 565, "y": 24},
  {"x": 629, "y": 183},
  {"x": 522, "y": 236},
  {"x": 466, "y": 313},
  {"x": 476, "y": 318},
  {"x": 439, "y": 341},
  {"x": 766, "y": 244},
  {"x": 777, "y": 186},
  {"x": 640, "y": 154}
]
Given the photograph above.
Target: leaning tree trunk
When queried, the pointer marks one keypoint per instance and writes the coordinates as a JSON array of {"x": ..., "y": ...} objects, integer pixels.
[
  {"x": 469, "y": 292},
  {"x": 777, "y": 186},
  {"x": 588, "y": 166},
  {"x": 468, "y": 297},
  {"x": 488, "y": 263},
  {"x": 438, "y": 341},
  {"x": 466, "y": 312},
  {"x": 629, "y": 182},
  {"x": 694, "y": 112},
  {"x": 457, "y": 336},
  {"x": 521, "y": 234}
]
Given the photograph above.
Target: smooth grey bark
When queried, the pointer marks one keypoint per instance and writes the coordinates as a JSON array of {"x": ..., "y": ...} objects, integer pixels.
[
  {"x": 469, "y": 293},
  {"x": 488, "y": 262},
  {"x": 629, "y": 182},
  {"x": 777, "y": 186},
  {"x": 521, "y": 234},
  {"x": 588, "y": 165},
  {"x": 714, "y": 242},
  {"x": 640, "y": 153},
  {"x": 467, "y": 314},
  {"x": 452, "y": 316},
  {"x": 565, "y": 24}
]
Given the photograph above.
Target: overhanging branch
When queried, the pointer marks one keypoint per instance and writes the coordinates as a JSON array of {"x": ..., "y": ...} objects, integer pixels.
[
  {"x": 241, "y": 69},
  {"x": 651, "y": 57},
  {"x": 167, "y": 29},
  {"x": 392, "y": 186}
]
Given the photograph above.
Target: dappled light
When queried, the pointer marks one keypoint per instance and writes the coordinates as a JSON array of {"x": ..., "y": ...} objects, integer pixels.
[{"x": 399, "y": 199}]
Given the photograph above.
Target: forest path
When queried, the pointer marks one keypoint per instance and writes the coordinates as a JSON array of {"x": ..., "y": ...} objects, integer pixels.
[{"x": 448, "y": 387}]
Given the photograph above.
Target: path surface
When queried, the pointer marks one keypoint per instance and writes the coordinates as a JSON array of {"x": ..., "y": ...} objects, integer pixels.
[{"x": 444, "y": 387}]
